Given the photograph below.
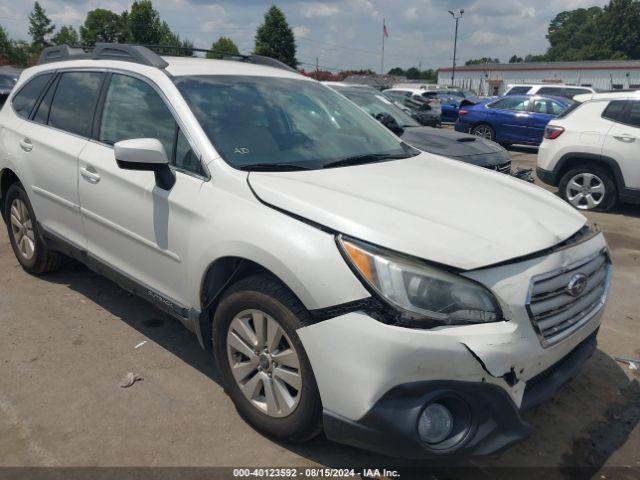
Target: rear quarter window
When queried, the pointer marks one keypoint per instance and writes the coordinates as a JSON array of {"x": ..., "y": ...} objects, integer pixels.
[
  {"x": 615, "y": 110},
  {"x": 26, "y": 98}
]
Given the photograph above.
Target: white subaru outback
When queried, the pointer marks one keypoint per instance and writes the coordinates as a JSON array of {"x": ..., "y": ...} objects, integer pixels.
[{"x": 403, "y": 302}]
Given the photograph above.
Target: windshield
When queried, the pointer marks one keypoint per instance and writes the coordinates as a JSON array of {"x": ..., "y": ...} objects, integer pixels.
[
  {"x": 268, "y": 121},
  {"x": 377, "y": 103}
]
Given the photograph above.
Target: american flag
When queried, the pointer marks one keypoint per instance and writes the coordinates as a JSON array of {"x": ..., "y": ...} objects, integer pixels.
[{"x": 384, "y": 29}]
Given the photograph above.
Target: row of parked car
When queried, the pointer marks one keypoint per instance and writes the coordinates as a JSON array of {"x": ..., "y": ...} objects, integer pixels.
[{"x": 589, "y": 141}]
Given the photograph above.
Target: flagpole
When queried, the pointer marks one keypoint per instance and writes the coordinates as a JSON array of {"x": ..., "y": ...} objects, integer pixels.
[{"x": 382, "y": 61}]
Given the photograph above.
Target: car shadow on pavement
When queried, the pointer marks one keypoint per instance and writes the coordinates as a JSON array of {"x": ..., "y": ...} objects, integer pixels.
[
  {"x": 581, "y": 427},
  {"x": 139, "y": 314}
]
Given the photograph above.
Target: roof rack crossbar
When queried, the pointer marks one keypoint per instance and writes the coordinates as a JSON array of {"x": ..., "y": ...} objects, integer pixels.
[{"x": 103, "y": 51}]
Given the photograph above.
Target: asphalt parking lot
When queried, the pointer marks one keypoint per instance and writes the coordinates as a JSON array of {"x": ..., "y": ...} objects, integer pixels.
[{"x": 68, "y": 339}]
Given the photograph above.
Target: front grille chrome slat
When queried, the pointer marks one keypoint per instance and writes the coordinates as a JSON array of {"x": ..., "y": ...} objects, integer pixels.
[{"x": 555, "y": 311}]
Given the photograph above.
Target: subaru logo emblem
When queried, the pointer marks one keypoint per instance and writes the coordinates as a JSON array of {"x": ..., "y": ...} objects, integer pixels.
[{"x": 577, "y": 285}]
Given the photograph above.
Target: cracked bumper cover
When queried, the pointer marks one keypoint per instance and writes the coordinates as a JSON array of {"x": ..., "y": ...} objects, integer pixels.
[{"x": 390, "y": 427}]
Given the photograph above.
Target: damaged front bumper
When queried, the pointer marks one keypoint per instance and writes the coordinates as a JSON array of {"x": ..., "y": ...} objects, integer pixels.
[
  {"x": 494, "y": 424},
  {"x": 376, "y": 379}
]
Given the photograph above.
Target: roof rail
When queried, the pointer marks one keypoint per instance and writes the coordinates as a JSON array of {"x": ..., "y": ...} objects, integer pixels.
[
  {"x": 103, "y": 51},
  {"x": 144, "y": 54},
  {"x": 256, "y": 59}
]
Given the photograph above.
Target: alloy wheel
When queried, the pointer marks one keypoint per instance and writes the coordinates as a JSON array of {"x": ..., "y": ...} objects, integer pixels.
[
  {"x": 22, "y": 228},
  {"x": 585, "y": 191},
  {"x": 483, "y": 131},
  {"x": 264, "y": 363}
]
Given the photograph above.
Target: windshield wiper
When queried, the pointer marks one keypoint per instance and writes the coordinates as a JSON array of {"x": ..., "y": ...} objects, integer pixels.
[
  {"x": 363, "y": 159},
  {"x": 272, "y": 167}
]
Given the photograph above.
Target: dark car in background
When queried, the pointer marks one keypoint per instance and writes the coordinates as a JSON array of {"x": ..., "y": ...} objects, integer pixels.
[
  {"x": 511, "y": 119},
  {"x": 450, "y": 101},
  {"x": 467, "y": 148},
  {"x": 427, "y": 110},
  {"x": 8, "y": 78}
]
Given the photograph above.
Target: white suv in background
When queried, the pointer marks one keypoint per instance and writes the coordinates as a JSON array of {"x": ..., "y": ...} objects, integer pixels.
[
  {"x": 558, "y": 90},
  {"x": 591, "y": 152},
  {"x": 339, "y": 283}
]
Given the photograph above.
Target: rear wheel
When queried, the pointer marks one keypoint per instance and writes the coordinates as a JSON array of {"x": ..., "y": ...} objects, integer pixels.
[
  {"x": 28, "y": 247},
  {"x": 589, "y": 188},
  {"x": 485, "y": 131},
  {"x": 262, "y": 362}
]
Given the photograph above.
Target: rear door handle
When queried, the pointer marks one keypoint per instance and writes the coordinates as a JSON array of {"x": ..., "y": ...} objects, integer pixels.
[
  {"x": 26, "y": 145},
  {"x": 625, "y": 138},
  {"x": 90, "y": 174}
]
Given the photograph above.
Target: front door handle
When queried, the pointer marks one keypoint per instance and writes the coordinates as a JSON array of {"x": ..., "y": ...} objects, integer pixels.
[
  {"x": 90, "y": 174},
  {"x": 26, "y": 145},
  {"x": 625, "y": 138}
]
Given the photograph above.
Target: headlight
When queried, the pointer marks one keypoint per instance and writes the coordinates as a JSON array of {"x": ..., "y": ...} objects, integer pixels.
[{"x": 423, "y": 294}]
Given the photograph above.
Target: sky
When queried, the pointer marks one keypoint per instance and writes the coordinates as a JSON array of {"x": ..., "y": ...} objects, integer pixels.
[{"x": 343, "y": 34}]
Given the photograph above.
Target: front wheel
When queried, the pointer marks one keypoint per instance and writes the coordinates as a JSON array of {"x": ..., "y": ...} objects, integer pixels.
[
  {"x": 485, "y": 131},
  {"x": 588, "y": 188},
  {"x": 22, "y": 226},
  {"x": 262, "y": 362}
]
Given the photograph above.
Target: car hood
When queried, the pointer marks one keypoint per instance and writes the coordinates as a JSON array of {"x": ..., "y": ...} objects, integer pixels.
[
  {"x": 426, "y": 206},
  {"x": 452, "y": 144}
]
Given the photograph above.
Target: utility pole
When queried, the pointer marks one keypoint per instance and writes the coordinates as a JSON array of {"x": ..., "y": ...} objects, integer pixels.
[
  {"x": 317, "y": 66},
  {"x": 385, "y": 34},
  {"x": 456, "y": 14}
]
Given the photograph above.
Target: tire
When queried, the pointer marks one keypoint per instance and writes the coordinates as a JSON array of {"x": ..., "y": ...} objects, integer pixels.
[
  {"x": 24, "y": 235},
  {"x": 589, "y": 187},
  {"x": 250, "y": 302},
  {"x": 485, "y": 131}
]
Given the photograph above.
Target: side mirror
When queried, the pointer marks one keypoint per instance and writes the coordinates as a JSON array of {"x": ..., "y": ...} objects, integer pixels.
[{"x": 145, "y": 154}]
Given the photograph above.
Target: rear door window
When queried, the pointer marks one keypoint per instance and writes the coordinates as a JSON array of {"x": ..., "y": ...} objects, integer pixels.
[
  {"x": 633, "y": 115},
  {"x": 518, "y": 90},
  {"x": 26, "y": 98},
  {"x": 550, "y": 91},
  {"x": 74, "y": 102},
  {"x": 515, "y": 104},
  {"x": 547, "y": 106},
  {"x": 615, "y": 110}
]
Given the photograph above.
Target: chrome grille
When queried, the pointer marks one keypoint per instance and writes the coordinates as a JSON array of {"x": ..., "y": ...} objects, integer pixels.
[{"x": 555, "y": 311}]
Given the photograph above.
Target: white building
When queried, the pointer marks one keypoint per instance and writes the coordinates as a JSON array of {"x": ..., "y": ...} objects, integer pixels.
[{"x": 493, "y": 78}]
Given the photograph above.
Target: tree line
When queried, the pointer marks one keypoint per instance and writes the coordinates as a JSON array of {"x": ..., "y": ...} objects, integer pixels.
[
  {"x": 140, "y": 25},
  {"x": 611, "y": 32}
]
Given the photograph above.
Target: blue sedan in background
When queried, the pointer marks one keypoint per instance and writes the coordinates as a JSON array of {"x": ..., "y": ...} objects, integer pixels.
[{"x": 511, "y": 119}]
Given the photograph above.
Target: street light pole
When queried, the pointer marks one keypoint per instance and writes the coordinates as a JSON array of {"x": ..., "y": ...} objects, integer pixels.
[{"x": 456, "y": 14}]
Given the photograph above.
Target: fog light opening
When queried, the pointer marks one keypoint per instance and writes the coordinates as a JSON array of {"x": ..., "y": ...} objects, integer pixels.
[{"x": 435, "y": 424}]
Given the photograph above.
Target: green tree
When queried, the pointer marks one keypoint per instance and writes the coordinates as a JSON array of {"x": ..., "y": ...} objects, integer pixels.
[
  {"x": 620, "y": 28},
  {"x": 516, "y": 59},
  {"x": 101, "y": 25},
  {"x": 67, "y": 35},
  {"x": 535, "y": 58},
  {"x": 5, "y": 43},
  {"x": 274, "y": 38},
  {"x": 480, "y": 61},
  {"x": 396, "y": 71},
  {"x": 144, "y": 23},
  {"x": 40, "y": 27},
  {"x": 223, "y": 46},
  {"x": 20, "y": 53}
]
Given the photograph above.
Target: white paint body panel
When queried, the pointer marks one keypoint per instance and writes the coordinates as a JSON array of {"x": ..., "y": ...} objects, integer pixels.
[{"x": 427, "y": 206}]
